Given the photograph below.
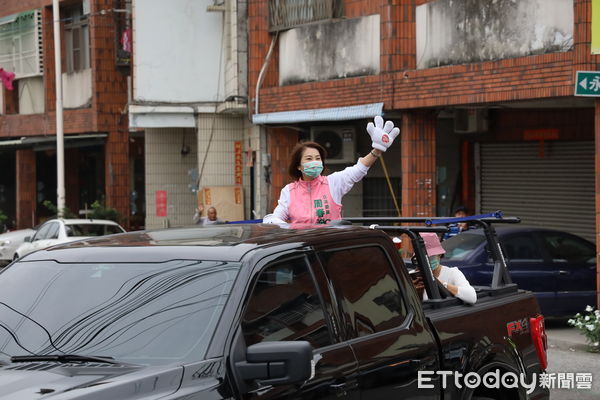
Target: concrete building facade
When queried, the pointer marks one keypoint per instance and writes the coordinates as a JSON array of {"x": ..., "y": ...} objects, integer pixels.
[
  {"x": 483, "y": 92},
  {"x": 190, "y": 100}
]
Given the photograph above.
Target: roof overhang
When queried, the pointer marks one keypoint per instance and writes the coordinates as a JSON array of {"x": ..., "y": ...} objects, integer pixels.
[
  {"x": 47, "y": 142},
  {"x": 178, "y": 115},
  {"x": 361, "y": 111},
  {"x": 148, "y": 116}
]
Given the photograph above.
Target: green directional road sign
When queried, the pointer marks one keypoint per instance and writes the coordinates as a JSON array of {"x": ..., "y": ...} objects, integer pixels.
[{"x": 587, "y": 83}]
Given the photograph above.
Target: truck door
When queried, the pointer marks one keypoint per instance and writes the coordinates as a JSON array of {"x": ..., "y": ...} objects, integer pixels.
[
  {"x": 391, "y": 340},
  {"x": 287, "y": 304}
]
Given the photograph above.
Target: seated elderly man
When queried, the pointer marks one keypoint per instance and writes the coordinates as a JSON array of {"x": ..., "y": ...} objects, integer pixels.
[{"x": 450, "y": 277}]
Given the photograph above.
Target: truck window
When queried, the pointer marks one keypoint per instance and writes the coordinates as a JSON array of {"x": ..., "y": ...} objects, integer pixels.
[
  {"x": 366, "y": 288},
  {"x": 285, "y": 305}
]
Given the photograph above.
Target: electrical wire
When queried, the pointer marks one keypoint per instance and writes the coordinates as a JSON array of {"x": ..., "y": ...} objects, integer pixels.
[{"x": 212, "y": 125}]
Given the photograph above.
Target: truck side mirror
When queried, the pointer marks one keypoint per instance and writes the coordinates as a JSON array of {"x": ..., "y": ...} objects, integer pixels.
[{"x": 277, "y": 363}]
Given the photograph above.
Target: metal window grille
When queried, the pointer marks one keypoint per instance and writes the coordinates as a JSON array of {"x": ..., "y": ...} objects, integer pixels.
[
  {"x": 377, "y": 199},
  {"x": 21, "y": 44},
  {"x": 286, "y": 14}
]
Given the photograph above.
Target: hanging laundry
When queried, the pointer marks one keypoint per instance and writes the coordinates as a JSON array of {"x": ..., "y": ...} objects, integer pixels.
[
  {"x": 7, "y": 78},
  {"x": 126, "y": 40}
]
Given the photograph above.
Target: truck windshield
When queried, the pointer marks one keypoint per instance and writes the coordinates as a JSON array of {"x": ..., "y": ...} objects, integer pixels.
[
  {"x": 144, "y": 313},
  {"x": 461, "y": 246}
]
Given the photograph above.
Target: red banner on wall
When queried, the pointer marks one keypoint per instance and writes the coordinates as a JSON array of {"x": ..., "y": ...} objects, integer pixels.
[
  {"x": 238, "y": 163},
  {"x": 161, "y": 203}
]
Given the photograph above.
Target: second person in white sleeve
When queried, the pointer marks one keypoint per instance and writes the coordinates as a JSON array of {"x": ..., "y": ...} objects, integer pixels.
[
  {"x": 451, "y": 278},
  {"x": 316, "y": 199}
]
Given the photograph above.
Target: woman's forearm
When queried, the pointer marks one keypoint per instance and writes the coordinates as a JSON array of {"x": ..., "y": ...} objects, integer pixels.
[{"x": 370, "y": 158}]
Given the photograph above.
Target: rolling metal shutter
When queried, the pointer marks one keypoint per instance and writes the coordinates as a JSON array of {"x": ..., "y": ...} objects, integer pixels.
[{"x": 554, "y": 191}]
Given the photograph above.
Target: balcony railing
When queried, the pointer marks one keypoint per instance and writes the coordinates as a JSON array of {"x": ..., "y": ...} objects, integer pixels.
[{"x": 286, "y": 14}]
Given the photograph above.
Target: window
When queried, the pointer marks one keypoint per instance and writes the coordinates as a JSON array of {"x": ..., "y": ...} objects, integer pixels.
[
  {"x": 286, "y": 14},
  {"x": 567, "y": 248},
  {"x": 163, "y": 313},
  {"x": 53, "y": 231},
  {"x": 43, "y": 232},
  {"x": 366, "y": 288},
  {"x": 77, "y": 39},
  {"x": 521, "y": 247},
  {"x": 21, "y": 54},
  {"x": 91, "y": 229},
  {"x": 21, "y": 44},
  {"x": 285, "y": 305},
  {"x": 377, "y": 199},
  {"x": 461, "y": 246}
]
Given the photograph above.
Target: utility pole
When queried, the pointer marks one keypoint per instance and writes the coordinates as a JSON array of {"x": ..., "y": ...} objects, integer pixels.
[{"x": 60, "y": 142}]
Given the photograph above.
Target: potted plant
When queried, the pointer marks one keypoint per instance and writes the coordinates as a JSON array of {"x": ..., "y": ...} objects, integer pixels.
[{"x": 589, "y": 324}]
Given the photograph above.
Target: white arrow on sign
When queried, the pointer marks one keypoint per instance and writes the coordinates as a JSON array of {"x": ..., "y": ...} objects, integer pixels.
[{"x": 583, "y": 83}]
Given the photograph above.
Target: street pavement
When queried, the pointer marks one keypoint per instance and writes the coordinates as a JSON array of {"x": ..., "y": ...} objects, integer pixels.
[{"x": 567, "y": 353}]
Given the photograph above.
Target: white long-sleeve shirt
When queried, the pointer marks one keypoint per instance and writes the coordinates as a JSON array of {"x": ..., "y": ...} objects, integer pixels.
[
  {"x": 454, "y": 276},
  {"x": 340, "y": 183}
]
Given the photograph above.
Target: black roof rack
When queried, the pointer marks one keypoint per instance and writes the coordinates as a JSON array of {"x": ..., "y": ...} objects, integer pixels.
[{"x": 501, "y": 280}]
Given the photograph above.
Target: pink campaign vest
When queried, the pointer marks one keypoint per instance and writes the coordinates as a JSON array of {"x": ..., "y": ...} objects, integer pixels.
[{"x": 308, "y": 200}]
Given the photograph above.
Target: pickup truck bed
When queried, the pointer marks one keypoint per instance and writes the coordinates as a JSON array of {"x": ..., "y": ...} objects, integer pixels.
[{"x": 474, "y": 338}]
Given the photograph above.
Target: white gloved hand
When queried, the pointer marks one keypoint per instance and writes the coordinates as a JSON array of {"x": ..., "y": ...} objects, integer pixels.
[{"x": 382, "y": 135}]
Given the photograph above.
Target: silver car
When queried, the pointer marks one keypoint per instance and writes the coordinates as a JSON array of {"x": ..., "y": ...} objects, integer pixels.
[
  {"x": 10, "y": 241},
  {"x": 57, "y": 231}
]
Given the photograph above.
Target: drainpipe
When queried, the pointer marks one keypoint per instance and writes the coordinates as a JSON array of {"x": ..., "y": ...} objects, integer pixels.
[{"x": 263, "y": 69}]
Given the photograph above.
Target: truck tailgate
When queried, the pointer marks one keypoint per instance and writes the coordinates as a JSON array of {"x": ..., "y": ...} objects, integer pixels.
[{"x": 495, "y": 331}]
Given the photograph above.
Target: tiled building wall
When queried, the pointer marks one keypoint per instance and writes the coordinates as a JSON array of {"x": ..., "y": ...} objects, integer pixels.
[
  {"x": 400, "y": 86},
  {"x": 418, "y": 164},
  {"x": 167, "y": 169},
  {"x": 109, "y": 88},
  {"x": 219, "y": 166},
  {"x": 26, "y": 188},
  {"x": 109, "y": 97}
]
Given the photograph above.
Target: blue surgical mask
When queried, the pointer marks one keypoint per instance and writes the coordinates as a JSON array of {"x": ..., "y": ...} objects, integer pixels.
[
  {"x": 434, "y": 262},
  {"x": 312, "y": 169}
]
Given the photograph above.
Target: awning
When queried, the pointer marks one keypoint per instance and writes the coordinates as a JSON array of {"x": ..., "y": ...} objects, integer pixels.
[
  {"x": 46, "y": 142},
  {"x": 320, "y": 114},
  {"x": 9, "y": 19}
]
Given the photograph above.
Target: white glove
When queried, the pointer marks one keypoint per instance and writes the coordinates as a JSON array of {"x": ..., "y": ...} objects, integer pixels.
[{"x": 382, "y": 136}]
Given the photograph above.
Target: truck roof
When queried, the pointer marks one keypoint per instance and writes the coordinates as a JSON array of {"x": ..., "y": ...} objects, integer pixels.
[{"x": 217, "y": 242}]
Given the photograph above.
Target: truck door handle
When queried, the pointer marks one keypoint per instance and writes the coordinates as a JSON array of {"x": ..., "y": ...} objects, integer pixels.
[
  {"x": 563, "y": 272},
  {"x": 341, "y": 387}
]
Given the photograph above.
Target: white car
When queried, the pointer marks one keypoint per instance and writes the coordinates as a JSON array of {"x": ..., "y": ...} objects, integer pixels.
[
  {"x": 56, "y": 231},
  {"x": 10, "y": 241}
]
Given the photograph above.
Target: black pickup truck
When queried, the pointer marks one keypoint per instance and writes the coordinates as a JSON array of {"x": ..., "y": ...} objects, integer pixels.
[{"x": 258, "y": 312}]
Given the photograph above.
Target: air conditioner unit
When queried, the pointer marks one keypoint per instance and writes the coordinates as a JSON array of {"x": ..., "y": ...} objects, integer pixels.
[
  {"x": 338, "y": 141},
  {"x": 470, "y": 120}
]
